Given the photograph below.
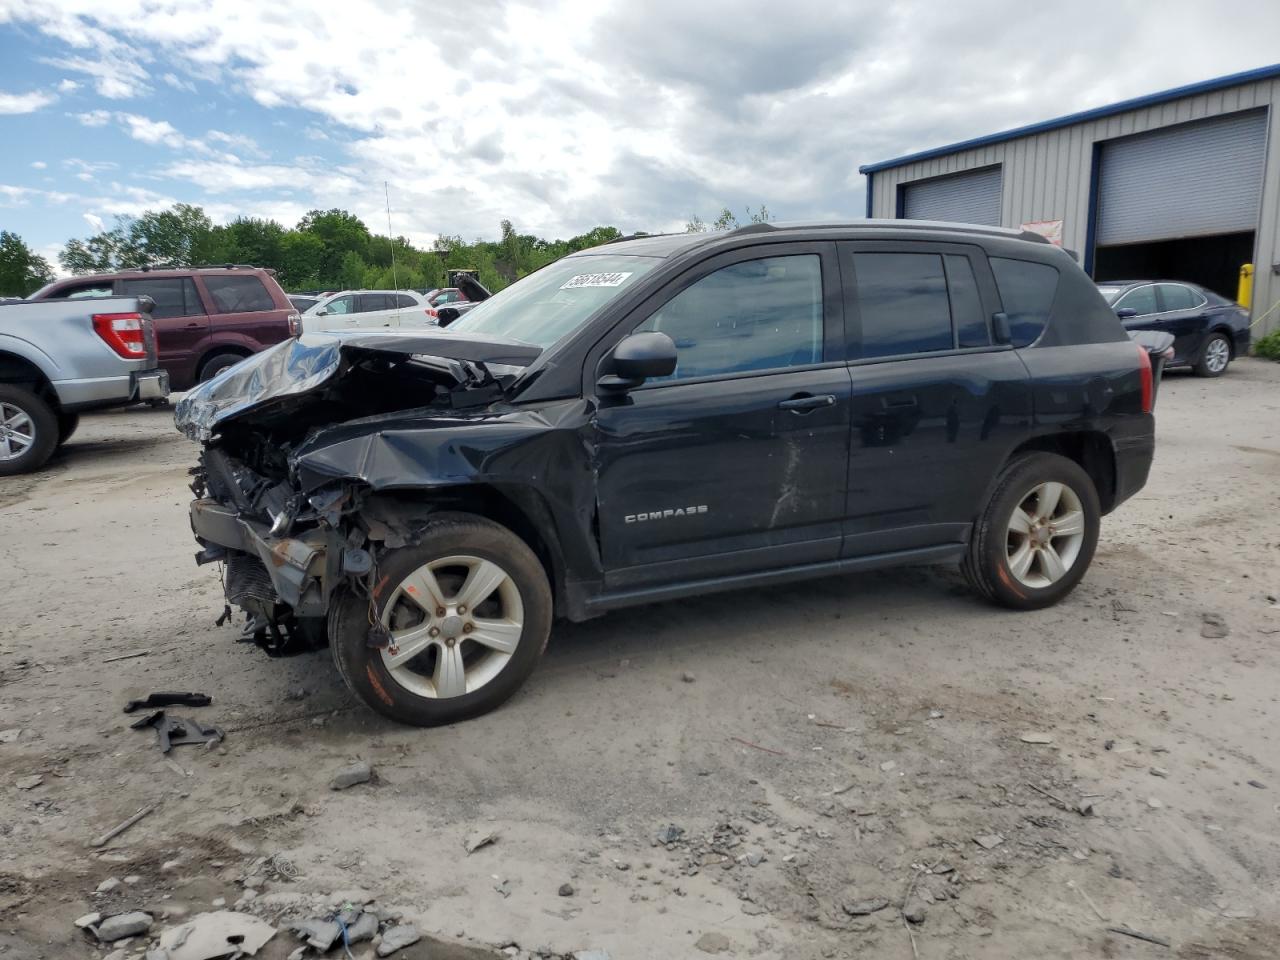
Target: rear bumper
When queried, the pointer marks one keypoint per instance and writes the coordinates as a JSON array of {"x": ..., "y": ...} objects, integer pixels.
[
  {"x": 89, "y": 394},
  {"x": 1134, "y": 455},
  {"x": 1241, "y": 341}
]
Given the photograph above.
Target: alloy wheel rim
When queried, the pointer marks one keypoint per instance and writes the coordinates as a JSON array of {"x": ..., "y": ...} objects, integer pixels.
[
  {"x": 17, "y": 431},
  {"x": 455, "y": 623},
  {"x": 1045, "y": 534},
  {"x": 1217, "y": 354}
]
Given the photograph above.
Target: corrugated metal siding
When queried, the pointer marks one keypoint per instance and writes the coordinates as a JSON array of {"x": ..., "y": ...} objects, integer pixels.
[
  {"x": 1185, "y": 181},
  {"x": 967, "y": 198},
  {"x": 1071, "y": 150}
]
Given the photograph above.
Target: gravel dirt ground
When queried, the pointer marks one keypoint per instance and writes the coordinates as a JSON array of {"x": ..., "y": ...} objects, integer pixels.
[{"x": 822, "y": 746}]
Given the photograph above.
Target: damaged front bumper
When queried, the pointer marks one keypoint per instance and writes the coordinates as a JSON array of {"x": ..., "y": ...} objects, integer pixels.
[{"x": 264, "y": 570}]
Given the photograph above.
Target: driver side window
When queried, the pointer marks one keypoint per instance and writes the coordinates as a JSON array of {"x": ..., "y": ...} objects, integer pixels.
[
  {"x": 755, "y": 315},
  {"x": 1142, "y": 299},
  {"x": 342, "y": 305}
]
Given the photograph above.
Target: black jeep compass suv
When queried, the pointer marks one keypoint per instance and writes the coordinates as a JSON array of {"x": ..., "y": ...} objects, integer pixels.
[{"x": 665, "y": 416}]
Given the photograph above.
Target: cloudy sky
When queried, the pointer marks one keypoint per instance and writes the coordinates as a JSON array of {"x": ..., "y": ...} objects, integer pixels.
[{"x": 557, "y": 116}]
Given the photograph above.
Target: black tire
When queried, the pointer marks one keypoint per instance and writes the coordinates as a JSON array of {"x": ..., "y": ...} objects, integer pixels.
[
  {"x": 986, "y": 566},
  {"x": 446, "y": 534},
  {"x": 1204, "y": 365},
  {"x": 43, "y": 431},
  {"x": 67, "y": 423},
  {"x": 217, "y": 363}
]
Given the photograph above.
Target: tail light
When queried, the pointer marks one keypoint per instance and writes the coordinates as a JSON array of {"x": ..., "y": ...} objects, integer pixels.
[
  {"x": 295, "y": 325},
  {"x": 1148, "y": 381},
  {"x": 431, "y": 312},
  {"x": 123, "y": 332}
]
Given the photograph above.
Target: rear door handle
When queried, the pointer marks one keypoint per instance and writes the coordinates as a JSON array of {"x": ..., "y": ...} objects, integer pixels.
[{"x": 803, "y": 402}]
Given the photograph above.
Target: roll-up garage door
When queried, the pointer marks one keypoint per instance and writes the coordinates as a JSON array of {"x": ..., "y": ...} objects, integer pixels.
[
  {"x": 964, "y": 198},
  {"x": 1195, "y": 179}
]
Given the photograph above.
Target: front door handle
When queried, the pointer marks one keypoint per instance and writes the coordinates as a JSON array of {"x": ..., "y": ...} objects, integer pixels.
[
  {"x": 804, "y": 401},
  {"x": 194, "y": 326}
]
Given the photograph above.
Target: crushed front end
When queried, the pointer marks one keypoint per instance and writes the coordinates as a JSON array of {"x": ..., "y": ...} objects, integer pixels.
[{"x": 292, "y": 442}]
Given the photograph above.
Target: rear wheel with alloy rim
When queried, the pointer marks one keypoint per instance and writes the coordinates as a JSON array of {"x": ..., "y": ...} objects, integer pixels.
[
  {"x": 1214, "y": 357},
  {"x": 468, "y": 612},
  {"x": 28, "y": 430},
  {"x": 1036, "y": 538}
]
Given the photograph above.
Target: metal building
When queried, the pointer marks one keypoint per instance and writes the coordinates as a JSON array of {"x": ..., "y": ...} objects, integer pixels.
[{"x": 1183, "y": 184}]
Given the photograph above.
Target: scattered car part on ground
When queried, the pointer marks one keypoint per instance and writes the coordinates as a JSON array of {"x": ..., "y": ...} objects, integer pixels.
[
  {"x": 1208, "y": 330},
  {"x": 169, "y": 699},
  {"x": 175, "y": 731},
  {"x": 206, "y": 318},
  {"x": 663, "y": 417},
  {"x": 60, "y": 359},
  {"x": 120, "y": 828}
]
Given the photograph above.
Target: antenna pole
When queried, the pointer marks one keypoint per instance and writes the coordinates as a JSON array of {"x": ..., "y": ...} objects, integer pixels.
[{"x": 386, "y": 189}]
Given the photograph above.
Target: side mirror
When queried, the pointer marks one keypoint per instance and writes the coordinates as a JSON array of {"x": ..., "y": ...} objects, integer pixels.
[
  {"x": 1000, "y": 327},
  {"x": 322, "y": 312},
  {"x": 446, "y": 315},
  {"x": 637, "y": 358},
  {"x": 1126, "y": 313}
]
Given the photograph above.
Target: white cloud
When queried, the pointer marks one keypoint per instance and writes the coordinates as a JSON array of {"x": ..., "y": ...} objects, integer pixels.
[
  {"x": 115, "y": 79},
  {"x": 68, "y": 86},
  {"x": 85, "y": 170},
  {"x": 94, "y": 118},
  {"x": 38, "y": 165},
  {"x": 175, "y": 81},
  {"x": 25, "y": 102},
  {"x": 94, "y": 221},
  {"x": 563, "y": 116}
]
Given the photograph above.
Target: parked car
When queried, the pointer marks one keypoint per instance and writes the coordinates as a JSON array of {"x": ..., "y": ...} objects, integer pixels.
[
  {"x": 1209, "y": 331},
  {"x": 206, "y": 318},
  {"x": 664, "y": 417},
  {"x": 356, "y": 309},
  {"x": 302, "y": 303},
  {"x": 448, "y": 295},
  {"x": 58, "y": 359}
]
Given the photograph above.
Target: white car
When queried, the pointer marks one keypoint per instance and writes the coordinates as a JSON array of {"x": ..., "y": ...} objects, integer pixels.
[{"x": 353, "y": 309}]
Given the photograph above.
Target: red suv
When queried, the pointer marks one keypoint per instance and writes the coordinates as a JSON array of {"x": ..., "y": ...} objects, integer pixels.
[{"x": 206, "y": 318}]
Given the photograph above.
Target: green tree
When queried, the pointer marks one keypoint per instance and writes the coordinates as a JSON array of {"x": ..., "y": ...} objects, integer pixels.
[
  {"x": 22, "y": 270},
  {"x": 248, "y": 240},
  {"x": 105, "y": 251},
  {"x": 301, "y": 260},
  {"x": 339, "y": 233},
  {"x": 180, "y": 235},
  {"x": 351, "y": 271},
  {"x": 695, "y": 225}
]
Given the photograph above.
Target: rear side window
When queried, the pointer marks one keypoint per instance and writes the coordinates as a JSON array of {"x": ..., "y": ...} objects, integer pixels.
[
  {"x": 1027, "y": 291},
  {"x": 173, "y": 296},
  {"x": 404, "y": 300},
  {"x": 966, "y": 303},
  {"x": 1140, "y": 299},
  {"x": 238, "y": 294},
  {"x": 80, "y": 293},
  {"x": 369, "y": 302},
  {"x": 902, "y": 304},
  {"x": 756, "y": 315},
  {"x": 1178, "y": 297}
]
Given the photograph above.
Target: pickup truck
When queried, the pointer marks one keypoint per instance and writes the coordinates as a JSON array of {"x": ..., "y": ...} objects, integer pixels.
[{"x": 61, "y": 357}]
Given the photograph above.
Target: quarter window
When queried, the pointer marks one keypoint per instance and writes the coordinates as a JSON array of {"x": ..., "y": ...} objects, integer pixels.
[
  {"x": 902, "y": 304},
  {"x": 756, "y": 315},
  {"x": 1027, "y": 291},
  {"x": 404, "y": 300},
  {"x": 242, "y": 294},
  {"x": 1142, "y": 299}
]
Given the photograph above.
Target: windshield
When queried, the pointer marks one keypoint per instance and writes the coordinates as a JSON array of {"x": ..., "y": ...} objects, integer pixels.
[
  {"x": 1111, "y": 292},
  {"x": 544, "y": 306}
]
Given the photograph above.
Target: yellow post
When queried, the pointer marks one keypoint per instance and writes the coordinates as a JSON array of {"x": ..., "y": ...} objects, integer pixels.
[{"x": 1244, "y": 293}]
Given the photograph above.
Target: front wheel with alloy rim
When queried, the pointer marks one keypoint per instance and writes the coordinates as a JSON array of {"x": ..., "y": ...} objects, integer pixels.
[
  {"x": 1214, "y": 357},
  {"x": 28, "y": 431},
  {"x": 468, "y": 611},
  {"x": 1036, "y": 538}
]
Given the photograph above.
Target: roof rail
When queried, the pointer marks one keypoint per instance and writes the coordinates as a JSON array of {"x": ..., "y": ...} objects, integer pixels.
[
  {"x": 145, "y": 268},
  {"x": 752, "y": 228},
  {"x": 634, "y": 236}
]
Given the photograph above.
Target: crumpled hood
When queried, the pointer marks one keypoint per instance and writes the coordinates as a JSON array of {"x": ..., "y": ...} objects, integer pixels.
[{"x": 298, "y": 366}]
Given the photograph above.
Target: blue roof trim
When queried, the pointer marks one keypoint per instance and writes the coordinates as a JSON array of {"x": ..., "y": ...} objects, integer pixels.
[{"x": 1137, "y": 103}]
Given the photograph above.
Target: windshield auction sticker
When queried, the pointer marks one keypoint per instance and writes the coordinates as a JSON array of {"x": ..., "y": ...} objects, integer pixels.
[{"x": 595, "y": 280}]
